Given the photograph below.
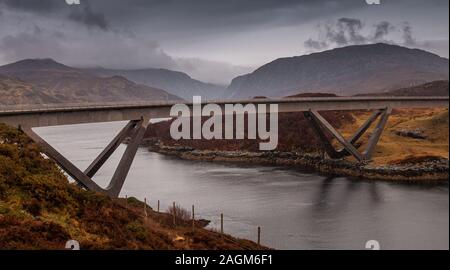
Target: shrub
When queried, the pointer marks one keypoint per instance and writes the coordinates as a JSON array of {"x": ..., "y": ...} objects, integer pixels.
[
  {"x": 33, "y": 207},
  {"x": 180, "y": 213},
  {"x": 3, "y": 187},
  {"x": 138, "y": 230}
]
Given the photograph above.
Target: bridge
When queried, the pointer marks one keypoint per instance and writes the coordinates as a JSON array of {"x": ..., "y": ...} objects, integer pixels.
[{"x": 138, "y": 116}]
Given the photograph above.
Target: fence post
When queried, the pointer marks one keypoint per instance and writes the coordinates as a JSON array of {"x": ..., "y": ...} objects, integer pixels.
[
  {"x": 158, "y": 206},
  {"x": 259, "y": 236},
  {"x": 145, "y": 207},
  {"x": 193, "y": 218},
  {"x": 173, "y": 213},
  {"x": 221, "y": 224}
]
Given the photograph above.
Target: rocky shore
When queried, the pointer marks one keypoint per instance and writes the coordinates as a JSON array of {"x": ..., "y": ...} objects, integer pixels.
[{"x": 425, "y": 170}]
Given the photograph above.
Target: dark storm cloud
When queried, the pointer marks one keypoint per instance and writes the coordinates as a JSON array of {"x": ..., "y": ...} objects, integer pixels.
[
  {"x": 182, "y": 15},
  {"x": 382, "y": 29},
  {"x": 352, "y": 27},
  {"x": 211, "y": 37},
  {"x": 207, "y": 15},
  {"x": 83, "y": 14},
  {"x": 351, "y": 31},
  {"x": 38, "y": 6},
  {"x": 346, "y": 30},
  {"x": 408, "y": 35}
]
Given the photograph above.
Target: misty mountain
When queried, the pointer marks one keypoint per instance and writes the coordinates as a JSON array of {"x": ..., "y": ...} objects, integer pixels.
[
  {"x": 33, "y": 81},
  {"x": 344, "y": 71},
  {"x": 174, "y": 82}
]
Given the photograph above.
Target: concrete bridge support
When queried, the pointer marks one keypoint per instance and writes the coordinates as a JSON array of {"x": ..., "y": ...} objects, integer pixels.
[
  {"x": 135, "y": 129},
  {"x": 350, "y": 147}
]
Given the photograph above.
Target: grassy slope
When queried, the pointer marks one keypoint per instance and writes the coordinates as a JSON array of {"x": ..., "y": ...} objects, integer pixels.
[
  {"x": 40, "y": 209},
  {"x": 393, "y": 149}
]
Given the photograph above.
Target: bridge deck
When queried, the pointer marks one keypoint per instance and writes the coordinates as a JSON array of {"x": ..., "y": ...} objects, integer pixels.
[{"x": 65, "y": 114}]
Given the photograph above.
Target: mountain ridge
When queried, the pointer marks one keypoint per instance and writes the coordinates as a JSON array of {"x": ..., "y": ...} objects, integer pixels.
[
  {"x": 71, "y": 85},
  {"x": 175, "y": 82},
  {"x": 350, "y": 70},
  {"x": 434, "y": 88}
]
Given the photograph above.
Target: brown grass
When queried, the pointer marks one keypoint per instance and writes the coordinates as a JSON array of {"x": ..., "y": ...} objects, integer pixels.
[
  {"x": 393, "y": 148},
  {"x": 40, "y": 209}
]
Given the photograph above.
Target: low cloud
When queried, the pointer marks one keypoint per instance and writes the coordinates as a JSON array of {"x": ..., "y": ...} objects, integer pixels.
[
  {"x": 31, "y": 45},
  {"x": 351, "y": 31},
  {"x": 111, "y": 50},
  {"x": 211, "y": 71}
]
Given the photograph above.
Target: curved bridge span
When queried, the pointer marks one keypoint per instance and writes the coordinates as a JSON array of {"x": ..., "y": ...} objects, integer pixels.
[{"x": 139, "y": 114}]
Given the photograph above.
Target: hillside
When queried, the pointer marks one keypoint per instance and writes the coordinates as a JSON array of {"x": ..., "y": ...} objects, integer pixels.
[
  {"x": 289, "y": 140},
  {"x": 411, "y": 135},
  {"x": 436, "y": 88},
  {"x": 174, "y": 82},
  {"x": 40, "y": 209},
  {"x": 16, "y": 92},
  {"x": 344, "y": 71},
  {"x": 64, "y": 84}
]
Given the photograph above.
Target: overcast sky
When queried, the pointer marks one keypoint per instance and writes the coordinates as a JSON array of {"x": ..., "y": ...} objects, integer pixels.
[{"x": 211, "y": 40}]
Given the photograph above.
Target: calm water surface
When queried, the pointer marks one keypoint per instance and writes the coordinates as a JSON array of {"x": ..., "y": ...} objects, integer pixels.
[{"x": 295, "y": 210}]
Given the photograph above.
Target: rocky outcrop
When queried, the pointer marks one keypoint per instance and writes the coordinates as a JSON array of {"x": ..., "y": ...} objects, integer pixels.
[{"x": 415, "y": 134}]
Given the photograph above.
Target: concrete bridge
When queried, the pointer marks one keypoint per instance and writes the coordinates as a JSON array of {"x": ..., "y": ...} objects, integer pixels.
[{"x": 139, "y": 114}]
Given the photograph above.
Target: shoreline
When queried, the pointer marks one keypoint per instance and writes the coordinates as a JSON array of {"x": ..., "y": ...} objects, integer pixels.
[{"x": 431, "y": 171}]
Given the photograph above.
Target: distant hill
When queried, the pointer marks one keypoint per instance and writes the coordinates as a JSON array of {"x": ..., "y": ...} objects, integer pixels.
[
  {"x": 53, "y": 82},
  {"x": 344, "y": 71},
  {"x": 15, "y": 92},
  {"x": 436, "y": 88},
  {"x": 174, "y": 82}
]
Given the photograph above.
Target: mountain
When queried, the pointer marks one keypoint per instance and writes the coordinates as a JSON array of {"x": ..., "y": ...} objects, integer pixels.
[
  {"x": 16, "y": 92},
  {"x": 174, "y": 82},
  {"x": 344, "y": 71},
  {"x": 436, "y": 88},
  {"x": 53, "y": 82}
]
